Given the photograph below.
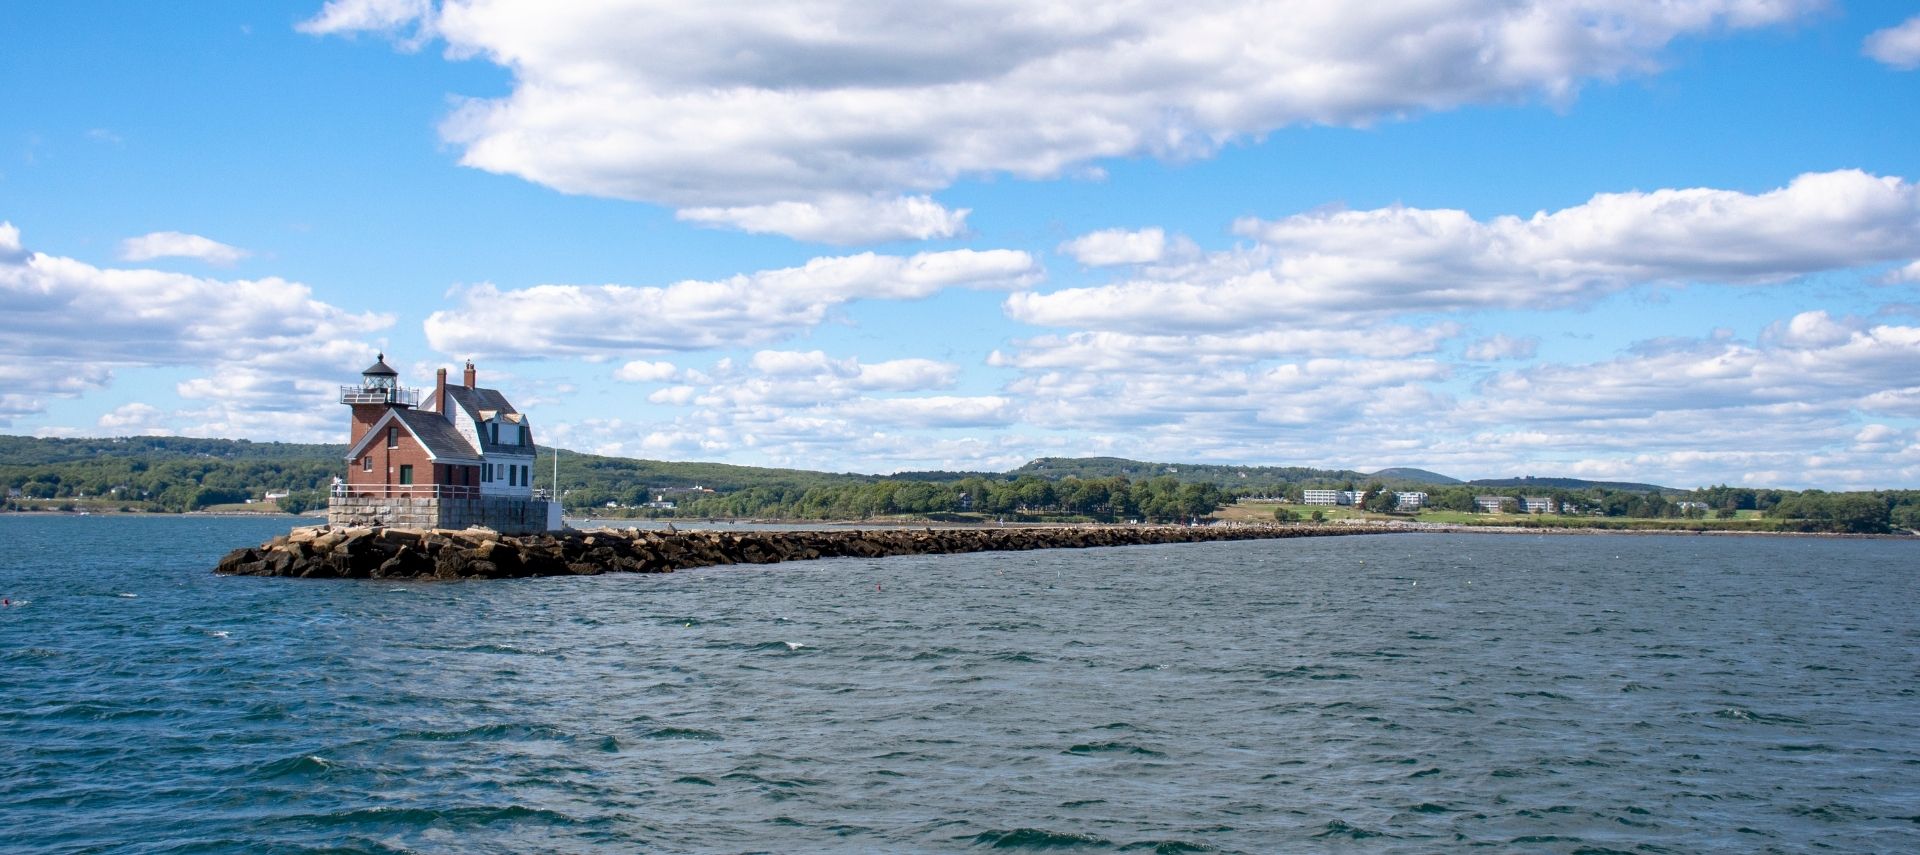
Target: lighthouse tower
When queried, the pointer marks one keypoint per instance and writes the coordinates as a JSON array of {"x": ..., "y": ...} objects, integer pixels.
[{"x": 464, "y": 459}]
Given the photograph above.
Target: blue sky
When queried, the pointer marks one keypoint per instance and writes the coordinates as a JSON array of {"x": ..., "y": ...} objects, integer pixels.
[{"x": 1674, "y": 241}]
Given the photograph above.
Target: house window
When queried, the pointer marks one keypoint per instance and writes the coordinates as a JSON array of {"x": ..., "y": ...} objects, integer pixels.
[
  {"x": 493, "y": 433},
  {"x": 513, "y": 476},
  {"x": 406, "y": 473},
  {"x": 366, "y": 463},
  {"x": 393, "y": 437},
  {"x": 525, "y": 479}
]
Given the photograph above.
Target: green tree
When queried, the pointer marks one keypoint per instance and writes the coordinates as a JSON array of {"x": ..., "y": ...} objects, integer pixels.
[{"x": 1379, "y": 499}]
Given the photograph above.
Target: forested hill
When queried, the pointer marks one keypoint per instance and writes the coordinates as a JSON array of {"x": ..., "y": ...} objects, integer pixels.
[
  {"x": 1088, "y": 468},
  {"x": 38, "y": 451},
  {"x": 628, "y": 480}
]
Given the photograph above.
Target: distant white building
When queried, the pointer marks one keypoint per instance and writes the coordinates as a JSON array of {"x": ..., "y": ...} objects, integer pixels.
[
  {"x": 1492, "y": 504},
  {"x": 1691, "y": 506},
  {"x": 1324, "y": 497},
  {"x": 1409, "y": 501},
  {"x": 1540, "y": 505}
]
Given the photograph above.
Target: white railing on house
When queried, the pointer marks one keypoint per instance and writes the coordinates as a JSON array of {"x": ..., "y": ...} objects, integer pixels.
[
  {"x": 406, "y": 491},
  {"x": 375, "y": 395}
]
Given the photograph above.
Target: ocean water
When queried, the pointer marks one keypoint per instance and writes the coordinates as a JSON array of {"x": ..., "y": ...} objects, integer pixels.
[{"x": 1408, "y": 693}]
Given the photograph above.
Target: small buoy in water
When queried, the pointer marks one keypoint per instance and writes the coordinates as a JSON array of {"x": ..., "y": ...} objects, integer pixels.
[{"x": 876, "y": 586}]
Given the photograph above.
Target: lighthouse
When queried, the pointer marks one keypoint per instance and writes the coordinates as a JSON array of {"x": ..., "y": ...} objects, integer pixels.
[{"x": 462, "y": 458}]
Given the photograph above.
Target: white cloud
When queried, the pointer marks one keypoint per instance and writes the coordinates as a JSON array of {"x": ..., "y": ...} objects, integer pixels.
[
  {"x": 814, "y": 409},
  {"x": 1909, "y": 273},
  {"x": 642, "y": 371},
  {"x": 1183, "y": 354},
  {"x": 1117, "y": 246},
  {"x": 130, "y": 418},
  {"x": 840, "y": 219},
  {"x": 1324, "y": 267},
  {"x": 74, "y": 324},
  {"x": 1811, "y": 363},
  {"x": 747, "y": 106},
  {"x": 148, "y": 247},
  {"x": 608, "y": 321},
  {"x": 1897, "y": 46},
  {"x": 1502, "y": 346},
  {"x": 936, "y": 411},
  {"x": 387, "y": 17}
]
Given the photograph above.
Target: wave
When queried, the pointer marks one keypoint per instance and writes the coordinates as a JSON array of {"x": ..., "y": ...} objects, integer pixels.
[{"x": 1035, "y": 838}]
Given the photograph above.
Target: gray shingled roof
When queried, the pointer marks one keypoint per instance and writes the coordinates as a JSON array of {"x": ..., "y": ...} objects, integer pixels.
[
  {"x": 476, "y": 401},
  {"x": 437, "y": 434}
]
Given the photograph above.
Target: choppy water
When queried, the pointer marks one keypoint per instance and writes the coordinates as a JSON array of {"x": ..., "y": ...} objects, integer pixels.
[{"x": 1398, "y": 694}]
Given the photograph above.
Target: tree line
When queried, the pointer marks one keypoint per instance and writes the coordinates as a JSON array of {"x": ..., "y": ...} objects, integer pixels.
[{"x": 1113, "y": 499}]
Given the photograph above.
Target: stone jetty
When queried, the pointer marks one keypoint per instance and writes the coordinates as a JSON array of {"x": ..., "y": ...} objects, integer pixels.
[{"x": 322, "y": 552}]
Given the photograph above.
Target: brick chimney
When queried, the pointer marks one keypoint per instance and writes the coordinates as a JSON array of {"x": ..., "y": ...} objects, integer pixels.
[
  {"x": 440, "y": 392},
  {"x": 470, "y": 374}
]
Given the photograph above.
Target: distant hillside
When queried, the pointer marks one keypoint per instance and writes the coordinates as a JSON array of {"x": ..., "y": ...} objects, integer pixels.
[
  {"x": 37, "y": 451},
  {"x": 1572, "y": 484},
  {"x": 626, "y": 479},
  {"x": 1418, "y": 476},
  {"x": 1087, "y": 468}
]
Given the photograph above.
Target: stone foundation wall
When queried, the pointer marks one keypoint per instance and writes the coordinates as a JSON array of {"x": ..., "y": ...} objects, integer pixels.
[{"x": 508, "y": 516}]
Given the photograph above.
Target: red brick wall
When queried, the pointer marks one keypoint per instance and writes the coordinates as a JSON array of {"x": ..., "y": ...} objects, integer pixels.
[
  {"x": 387, "y": 463},
  {"x": 364, "y": 415}
]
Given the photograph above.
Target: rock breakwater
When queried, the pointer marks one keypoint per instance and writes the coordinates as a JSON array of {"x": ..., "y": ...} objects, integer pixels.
[{"x": 400, "y": 553}]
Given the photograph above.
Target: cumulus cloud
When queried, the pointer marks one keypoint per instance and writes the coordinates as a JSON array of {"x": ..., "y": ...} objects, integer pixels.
[
  {"x": 840, "y": 219},
  {"x": 1502, "y": 346},
  {"x": 1183, "y": 354},
  {"x": 1351, "y": 265},
  {"x": 743, "y": 107},
  {"x": 810, "y": 408},
  {"x": 74, "y": 323},
  {"x": 1897, "y": 46},
  {"x": 642, "y": 371},
  {"x": 1909, "y": 273},
  {"x": 131, "y": 418},
  {"x": 608, "y": 321},
  {"x": 1117, "y": 246},
  {"x": 392, "y": 18},
  {"x": 1811, "y": 362},
  {"x": 148, "y": 247}
]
